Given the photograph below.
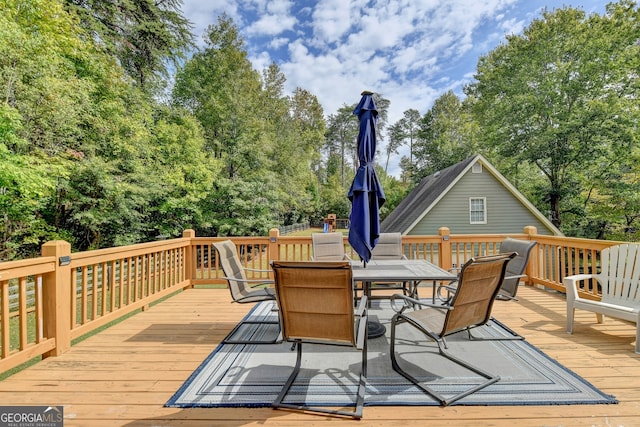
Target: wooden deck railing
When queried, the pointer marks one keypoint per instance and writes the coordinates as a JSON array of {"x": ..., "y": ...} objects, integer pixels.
[{"x": 48, "y": 301}]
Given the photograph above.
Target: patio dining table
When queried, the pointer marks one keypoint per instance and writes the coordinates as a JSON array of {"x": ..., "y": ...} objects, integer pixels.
[{"x": 414, "y": 271}]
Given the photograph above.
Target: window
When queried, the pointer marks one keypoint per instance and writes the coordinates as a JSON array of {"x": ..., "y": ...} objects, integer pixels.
[{"x": 478, "y": 210}]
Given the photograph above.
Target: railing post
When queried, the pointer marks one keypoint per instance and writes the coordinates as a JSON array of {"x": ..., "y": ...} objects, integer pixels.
[
  {"x": 274, "y": 246},
  {"x": 533, "y": 266},
  {"x": 190, "y": 261},
  {"x": 56, "y": 296},
  {"x": 445, "y": 248}
]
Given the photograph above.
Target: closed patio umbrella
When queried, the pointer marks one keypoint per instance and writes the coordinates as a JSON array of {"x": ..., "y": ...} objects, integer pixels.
[{"x": 366, "y": 193}]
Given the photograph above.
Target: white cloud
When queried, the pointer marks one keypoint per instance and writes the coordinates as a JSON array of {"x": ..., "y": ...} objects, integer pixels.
[
  {"x": 274, "y": 18},
  {"x": 271, "y": 25},
  {"x": 278, "y": 42},
  {"x": 331, "y": 21},
  {"x": 511, "y": 26},
  {"x": 261, "y": 61}
]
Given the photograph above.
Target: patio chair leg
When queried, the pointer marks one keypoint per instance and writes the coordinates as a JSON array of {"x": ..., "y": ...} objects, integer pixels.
[
  {"x": 356, "y": 413},
  {"x": 250, "y": 341},
  {"x": 490, "y": 379}
]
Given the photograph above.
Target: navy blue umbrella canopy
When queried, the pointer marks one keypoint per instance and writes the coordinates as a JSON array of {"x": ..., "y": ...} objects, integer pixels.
[{"x": 366, "y": 193}]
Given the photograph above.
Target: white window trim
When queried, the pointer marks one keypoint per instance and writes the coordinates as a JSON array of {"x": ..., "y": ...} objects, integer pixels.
[{"x": 484, "y": 204}]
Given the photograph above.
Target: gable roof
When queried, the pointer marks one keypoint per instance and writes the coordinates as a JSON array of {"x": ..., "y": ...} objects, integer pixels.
[{"x": 426, "y": 195}]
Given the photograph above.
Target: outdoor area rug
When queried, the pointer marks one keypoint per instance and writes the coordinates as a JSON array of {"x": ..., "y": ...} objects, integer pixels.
[{"x": 236, "y": 375}]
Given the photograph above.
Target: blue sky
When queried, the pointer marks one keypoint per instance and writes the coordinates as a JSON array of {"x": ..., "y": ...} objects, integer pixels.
[{"x": 409, "y": 51}]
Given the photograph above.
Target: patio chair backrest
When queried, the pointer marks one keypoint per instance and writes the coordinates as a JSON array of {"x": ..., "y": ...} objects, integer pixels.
[
  {"x": 479, "y": 283},
  {"x": 232, "y": 269},
  {"x": 619, "y": 276},
  {"x": 315, "y": 301},
  {"x": 517, "y": 265},
  {"x": 389, "y": 246},
  {"x": 328, "y": 246}
]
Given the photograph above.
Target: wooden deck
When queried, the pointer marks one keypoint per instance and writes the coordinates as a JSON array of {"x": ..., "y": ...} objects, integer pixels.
[{"x": 123, "y": 375}]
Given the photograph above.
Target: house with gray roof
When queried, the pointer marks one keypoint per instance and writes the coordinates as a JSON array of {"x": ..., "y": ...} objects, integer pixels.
[{"x": 470, "y": 197}]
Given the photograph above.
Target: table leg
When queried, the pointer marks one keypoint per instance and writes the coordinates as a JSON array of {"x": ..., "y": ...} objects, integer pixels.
[{"x": 374, "y": 329}]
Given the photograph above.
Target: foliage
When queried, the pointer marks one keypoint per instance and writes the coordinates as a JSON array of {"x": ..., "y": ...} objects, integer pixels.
[
  {"x": 24, "y": 184},
  {"x": 448, "y": 134},
  {"x": 333, "y": 196},
  {"x": 563, "y": 97},
  {"x": 266, "y": 142},
  {"x": 342, "y": 133},
  {"x": 394, "y": 142},
  {"x": 405, "y": 132},
  {"x": 78, "y": 140},
  {"x": 144, "y": 35},
  {"x": 42, "y": 110},
  {"x": 240, "y": 208},
  {"x": 612, "y": 202},
  {"x": 394, "y": 191}
]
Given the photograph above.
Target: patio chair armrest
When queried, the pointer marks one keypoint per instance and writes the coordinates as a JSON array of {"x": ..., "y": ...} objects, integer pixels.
[
  {"x": 575, "y": 278},
  {"x": 345, "y": 257},
  {"x": 258, "y": 270},
  {"x": 361, "y": 326},
  {"x": 572, "y": 284},
  {"x": 256, "y": 282},
  {"x": 505, "y": 297},
  {"x": 412, "y": 302},
  {"x": 361, "y": 310},
  {"x": 450, "y": 289}
]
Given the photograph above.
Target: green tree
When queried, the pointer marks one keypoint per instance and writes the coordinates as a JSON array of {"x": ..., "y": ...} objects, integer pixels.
[
  {"x": 308, "y": 127},
  {"x": 382, "y": 105},
  {"x": 309, "y": 124},
  {"x": 186, "y": 170},
  {"x": 333, "y": 198},
  {"x": 220, "y": 87},
  {"x": 25, "y": 185},
  {"x": 342, "y": 133},
  {"x": 613, "y": 208},
  {"x": 394, "y": 191},
  {"x": 396, "y": 140},
  {"x": 562, "y": 95},
  {"x": 44, "y": 71},
  {"x": 296, "y": 127},
  {"x": 44, "y": 108},
  {"x": 147, "y": 36},
  {"x": 448, "y": 134},
  {"x": 83, "y": 134},
  {"x": 405, "y": 132},
  {"x": 250, "y": 127}
]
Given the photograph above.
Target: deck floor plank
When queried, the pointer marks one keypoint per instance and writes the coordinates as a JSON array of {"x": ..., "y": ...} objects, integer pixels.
[{"x": 124, "y": 375}]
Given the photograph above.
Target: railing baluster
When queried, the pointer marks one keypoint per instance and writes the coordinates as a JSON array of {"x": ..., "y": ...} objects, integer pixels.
[
  {"x": 23, "y": 316},
  {"x": 4, "y": 320}
]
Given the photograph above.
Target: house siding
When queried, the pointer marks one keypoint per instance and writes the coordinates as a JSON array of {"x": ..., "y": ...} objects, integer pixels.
[{"x": 505, "y": 214}]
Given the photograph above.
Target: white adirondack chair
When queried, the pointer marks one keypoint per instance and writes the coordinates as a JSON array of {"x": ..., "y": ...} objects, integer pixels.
[{"x": 619, "y": 279}]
